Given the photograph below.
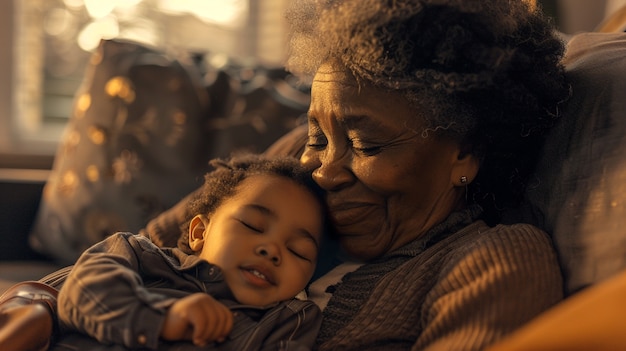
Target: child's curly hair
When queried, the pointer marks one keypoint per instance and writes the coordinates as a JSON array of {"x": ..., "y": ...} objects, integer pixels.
[
  {"x": 221, "y": 183},
  {"x": 484, "y": 72}
]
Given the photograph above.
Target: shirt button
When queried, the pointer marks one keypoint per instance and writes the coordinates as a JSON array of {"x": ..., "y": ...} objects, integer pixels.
[
  {"x": 235, "y": 314},
  {"x": 211, "y": 271},
  {"x": 141, "y": 339}
]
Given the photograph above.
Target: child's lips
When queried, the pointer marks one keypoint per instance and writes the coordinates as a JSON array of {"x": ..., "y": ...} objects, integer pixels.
[{"x": 258, "y": 275}]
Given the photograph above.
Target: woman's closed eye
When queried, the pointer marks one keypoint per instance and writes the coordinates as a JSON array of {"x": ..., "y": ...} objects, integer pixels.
[
  {"x": 317, "y": 142},
  {"x": 316, "y": 138},
  {"x": 365, "y": 149}
]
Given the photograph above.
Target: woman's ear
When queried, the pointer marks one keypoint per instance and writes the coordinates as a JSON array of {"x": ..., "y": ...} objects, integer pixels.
[
  {"x": 464, "y": 168},
  {"x": 197, "y": 228}
]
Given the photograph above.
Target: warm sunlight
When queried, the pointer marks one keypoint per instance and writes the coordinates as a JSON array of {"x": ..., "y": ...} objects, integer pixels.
[{"x": 222, "y": 12}]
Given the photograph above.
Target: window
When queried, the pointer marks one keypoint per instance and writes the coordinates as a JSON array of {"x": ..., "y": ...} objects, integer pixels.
[{"x": 50, "y": 42}]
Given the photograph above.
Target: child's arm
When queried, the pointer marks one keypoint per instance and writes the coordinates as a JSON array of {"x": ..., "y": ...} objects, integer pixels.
[
  {"x": 296, "y": 329},
  {"x": 199, "y": 318},
  {"x": 104, "y": 295}
]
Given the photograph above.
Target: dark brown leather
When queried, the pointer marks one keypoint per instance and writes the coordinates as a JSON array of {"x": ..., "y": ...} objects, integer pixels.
[{"x": 26, "y": 317}]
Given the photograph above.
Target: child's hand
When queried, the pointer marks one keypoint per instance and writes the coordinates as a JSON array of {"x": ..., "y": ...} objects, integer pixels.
[{"x": 199, "y": 318}]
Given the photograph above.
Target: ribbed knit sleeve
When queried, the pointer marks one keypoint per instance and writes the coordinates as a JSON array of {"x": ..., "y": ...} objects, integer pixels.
[
  {"x": 464, "y": 292},
  {"x": 492, "y": 285}
]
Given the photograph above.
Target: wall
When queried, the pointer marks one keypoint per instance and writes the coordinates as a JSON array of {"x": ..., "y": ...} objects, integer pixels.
[{"x": 6, "y": 59}]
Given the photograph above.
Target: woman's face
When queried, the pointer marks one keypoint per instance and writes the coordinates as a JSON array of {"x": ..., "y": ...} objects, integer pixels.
[{"x": 387, "y": 182}]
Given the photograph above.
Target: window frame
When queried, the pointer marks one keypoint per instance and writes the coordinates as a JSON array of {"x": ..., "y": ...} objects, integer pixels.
[{"x": 23, "y": 132}]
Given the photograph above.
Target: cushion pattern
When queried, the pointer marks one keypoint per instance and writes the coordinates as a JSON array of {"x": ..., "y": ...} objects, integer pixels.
[
  {"x": 133, "y": 146},
  {"x": 144, "y": 125}
]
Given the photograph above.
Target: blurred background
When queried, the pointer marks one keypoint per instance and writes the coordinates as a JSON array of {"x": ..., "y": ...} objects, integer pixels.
[{"x": 45, "y": 45}]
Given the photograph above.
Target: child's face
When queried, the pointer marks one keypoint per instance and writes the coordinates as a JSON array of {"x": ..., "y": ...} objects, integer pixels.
[{"x": 265, "y": 238}]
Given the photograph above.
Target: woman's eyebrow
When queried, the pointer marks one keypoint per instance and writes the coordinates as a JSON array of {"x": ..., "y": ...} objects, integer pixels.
[
  {"x": 352, "y": 121},
  {"x": 360, "y": 122}
]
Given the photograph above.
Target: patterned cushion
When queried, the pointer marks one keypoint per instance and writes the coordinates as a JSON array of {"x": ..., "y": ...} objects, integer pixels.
[{"x": 143, "y": 128}]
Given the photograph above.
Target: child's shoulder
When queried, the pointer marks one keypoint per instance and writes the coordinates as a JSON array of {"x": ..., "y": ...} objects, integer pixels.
[{"x": 137, "y": 241}]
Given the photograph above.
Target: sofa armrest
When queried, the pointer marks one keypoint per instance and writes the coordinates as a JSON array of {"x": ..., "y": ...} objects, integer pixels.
[{"x": 21, "y": 192}]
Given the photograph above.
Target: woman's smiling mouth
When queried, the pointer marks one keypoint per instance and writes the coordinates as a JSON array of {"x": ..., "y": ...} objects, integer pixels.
[{"x": 349, "y": 214}]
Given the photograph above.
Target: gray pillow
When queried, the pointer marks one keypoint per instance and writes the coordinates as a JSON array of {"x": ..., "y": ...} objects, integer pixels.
[{"x": 580, "y": 188}]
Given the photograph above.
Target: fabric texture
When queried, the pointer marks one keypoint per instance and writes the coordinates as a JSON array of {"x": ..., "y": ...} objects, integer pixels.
[
  {"x": 460, "y": 287},
  {"x": 580, "y": 185},
  {"x": 119, "y": 290}
]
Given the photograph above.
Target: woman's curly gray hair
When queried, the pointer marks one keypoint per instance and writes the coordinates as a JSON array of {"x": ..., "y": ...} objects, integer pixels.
[{"x": 487, "y": 71}]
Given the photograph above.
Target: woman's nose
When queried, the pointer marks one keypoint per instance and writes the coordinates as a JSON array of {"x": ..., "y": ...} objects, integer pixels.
[
  {"x": 269, "y": 251},
  {"x": 330, "y": 170}
]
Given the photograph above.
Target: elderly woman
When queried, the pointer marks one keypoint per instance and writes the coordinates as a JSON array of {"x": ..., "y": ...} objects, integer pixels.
[{"x": 425, "y": 121}]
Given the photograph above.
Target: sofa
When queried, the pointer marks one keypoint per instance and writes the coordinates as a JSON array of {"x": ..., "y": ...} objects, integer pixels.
[{"x": 577, "y": 193}]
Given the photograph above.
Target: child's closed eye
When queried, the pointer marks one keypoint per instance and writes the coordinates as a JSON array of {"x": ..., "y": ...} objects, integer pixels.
[
  {"x": 254, "y": 227},
  {"x": 300, "y": 255}
]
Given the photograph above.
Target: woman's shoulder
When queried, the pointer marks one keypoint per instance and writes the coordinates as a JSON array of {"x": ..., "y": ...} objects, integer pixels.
[
  {"x": 523, "y": 229},
  {"x": 510, "y": 254},
  {"x": 480, "y": 232},
  {"x": 505, "y": 242},
  {"x": 519, "y": 234}
]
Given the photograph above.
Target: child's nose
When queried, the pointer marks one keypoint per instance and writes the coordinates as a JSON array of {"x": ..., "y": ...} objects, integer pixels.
[{"x": 269, "y": 251}]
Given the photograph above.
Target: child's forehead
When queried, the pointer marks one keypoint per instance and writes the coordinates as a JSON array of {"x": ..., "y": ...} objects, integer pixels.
[
  {"x": 281, "y": 194},
  {"x": 269, "y": 180},
  {"x": 272, "y": 186}
]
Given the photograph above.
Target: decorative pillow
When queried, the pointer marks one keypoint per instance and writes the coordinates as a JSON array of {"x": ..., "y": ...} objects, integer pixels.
[
  {"x": 255, "y": 107},
  {"x": 143, "y": 129},
  {"x": 581, "y": 180},
  {"x": 134, "y": 145}
]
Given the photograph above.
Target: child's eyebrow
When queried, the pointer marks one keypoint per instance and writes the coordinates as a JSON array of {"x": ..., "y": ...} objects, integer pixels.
[{"x": 266, "y": 211}]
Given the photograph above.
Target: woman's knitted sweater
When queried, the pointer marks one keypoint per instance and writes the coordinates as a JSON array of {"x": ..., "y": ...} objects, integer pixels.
[{"x": 461, "y": 286}]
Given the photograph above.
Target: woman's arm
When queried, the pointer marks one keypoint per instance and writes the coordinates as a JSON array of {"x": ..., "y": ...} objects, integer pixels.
[
  {"x": 491, "y": 287},
  {"x": 104, "y": 295}
]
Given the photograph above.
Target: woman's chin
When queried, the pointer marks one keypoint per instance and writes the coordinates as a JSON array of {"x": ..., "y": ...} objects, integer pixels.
[{"x": 361, "y": 247}]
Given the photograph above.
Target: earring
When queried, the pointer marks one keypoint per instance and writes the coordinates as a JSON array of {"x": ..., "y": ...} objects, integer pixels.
[{"x": 463, "y": 179}]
